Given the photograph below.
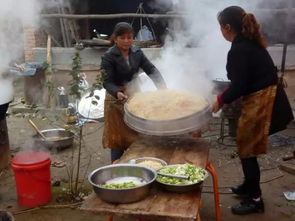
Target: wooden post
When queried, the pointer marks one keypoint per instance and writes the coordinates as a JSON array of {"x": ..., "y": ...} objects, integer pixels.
[
  {"x": 49, "y": 98},
  {"x": 62, "y": 26}
]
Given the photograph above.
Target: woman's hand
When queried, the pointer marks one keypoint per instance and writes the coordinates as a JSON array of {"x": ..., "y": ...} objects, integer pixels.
[
  {"x": 122, "y": 97},
  {"x": 215, "y": 106},
  {"x": 196, "y": 133},
  {"x": 20, "y": 67}
]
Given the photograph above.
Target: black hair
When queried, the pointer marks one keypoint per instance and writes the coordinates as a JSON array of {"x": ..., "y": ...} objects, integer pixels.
[
  {"x": 232, "y": 15},
  {"x": 120, "y": 29}
]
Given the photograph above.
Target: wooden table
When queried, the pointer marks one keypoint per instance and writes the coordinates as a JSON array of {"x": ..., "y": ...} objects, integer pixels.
[{"x": 160, "y": 205}]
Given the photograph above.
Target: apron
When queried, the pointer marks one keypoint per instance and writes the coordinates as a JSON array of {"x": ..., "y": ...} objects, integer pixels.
[
  {"x": 254, "y": 122},
  {"x": 116, "y": 134}
]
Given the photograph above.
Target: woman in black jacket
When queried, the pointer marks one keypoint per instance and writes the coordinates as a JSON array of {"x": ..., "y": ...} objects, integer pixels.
[
  {"x": 253, "y": 78},
  {"x": 120, "y": 65}
]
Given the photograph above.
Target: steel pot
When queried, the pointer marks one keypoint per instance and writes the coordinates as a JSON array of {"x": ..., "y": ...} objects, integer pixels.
[
  {"x": 180, "y": 188},
  {"x": 168, "y": 127},
  {"x": 142, "y": 159},
  {"x": 128, "y": 195},
  {"x": 220, "y": 84}
]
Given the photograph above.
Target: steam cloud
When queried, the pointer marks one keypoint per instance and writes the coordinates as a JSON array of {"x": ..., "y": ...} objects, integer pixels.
[
  {"x": 193, "y": 68},
  {"x": 14, "y": 16}
]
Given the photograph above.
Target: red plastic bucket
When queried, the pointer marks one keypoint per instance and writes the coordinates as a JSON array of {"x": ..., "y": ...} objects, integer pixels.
[{"x": 32, "y": 178}]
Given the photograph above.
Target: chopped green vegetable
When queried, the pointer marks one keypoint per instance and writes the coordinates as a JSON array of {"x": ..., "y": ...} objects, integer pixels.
[
  {"x": 119, "y": 185},
  {"x": 196, "y": 174}
]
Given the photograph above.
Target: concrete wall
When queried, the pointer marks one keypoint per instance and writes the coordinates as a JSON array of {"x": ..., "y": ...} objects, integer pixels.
[
  {"x": 62, "y": 57},
  {"x": 62, "y": 60},
  {"x": 91, "y": 57}
]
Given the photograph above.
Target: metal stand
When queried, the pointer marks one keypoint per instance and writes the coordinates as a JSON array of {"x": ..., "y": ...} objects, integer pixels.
[{"x": 223, "y": 136}]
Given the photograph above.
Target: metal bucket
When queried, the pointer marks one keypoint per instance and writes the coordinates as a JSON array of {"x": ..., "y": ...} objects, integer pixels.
[{"x": 220, "y": 84}]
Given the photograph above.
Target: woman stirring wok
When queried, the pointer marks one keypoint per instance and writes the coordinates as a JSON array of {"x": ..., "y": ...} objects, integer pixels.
[
  {"x": 120, "y": 65},
  {"x": 253, "y": 78}
]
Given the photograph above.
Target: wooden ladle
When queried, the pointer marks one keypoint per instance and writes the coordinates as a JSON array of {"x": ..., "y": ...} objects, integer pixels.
[{"x": 37, "y": 130}]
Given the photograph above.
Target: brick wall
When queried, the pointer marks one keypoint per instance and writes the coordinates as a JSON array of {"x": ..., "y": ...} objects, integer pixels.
[
  {"x": 33, "y": 38},
  {"x": 41, "y": 39},
  {"x": 29, "y": 43}
]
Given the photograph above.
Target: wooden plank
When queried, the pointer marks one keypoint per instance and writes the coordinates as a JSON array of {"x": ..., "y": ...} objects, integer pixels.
[
  {"x": 290, "y": 168},
  {"x": 111, "y": 16},
  {"x": 156, "y": 16},
  {"x": 159, "y": 205}
]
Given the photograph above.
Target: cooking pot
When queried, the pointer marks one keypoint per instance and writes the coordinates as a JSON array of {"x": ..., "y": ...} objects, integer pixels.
[
  {"x": 173, "y": 127},
  {"x": 56, "y": 139}
]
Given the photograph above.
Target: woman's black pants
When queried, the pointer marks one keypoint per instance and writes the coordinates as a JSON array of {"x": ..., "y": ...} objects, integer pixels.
[
  {"x": 3, "y": 109},
  {"x": 252, "y": 176}
]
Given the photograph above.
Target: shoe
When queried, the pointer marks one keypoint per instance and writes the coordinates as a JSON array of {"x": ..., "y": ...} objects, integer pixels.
[
  {"x": 6, "y": 216},
  {"x": 248, "y": 206},
  {"x": 239, "y": 190}
]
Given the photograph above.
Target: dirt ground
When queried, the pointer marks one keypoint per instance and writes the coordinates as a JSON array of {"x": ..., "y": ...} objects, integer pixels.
[{"x": 274, "y": 181}]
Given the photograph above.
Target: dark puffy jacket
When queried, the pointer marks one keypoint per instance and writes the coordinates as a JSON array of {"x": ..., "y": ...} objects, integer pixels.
[
  {"x": 118, "y": 73},
  {"x": 249, "y": 67}
]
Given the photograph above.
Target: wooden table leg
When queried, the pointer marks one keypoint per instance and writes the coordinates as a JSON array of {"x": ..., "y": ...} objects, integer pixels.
[
  {"x": 109, "y": 218},
  {"x": 212, "y": 171}
]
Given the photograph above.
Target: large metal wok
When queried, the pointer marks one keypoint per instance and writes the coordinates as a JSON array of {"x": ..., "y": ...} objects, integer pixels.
[
  {"x": 167, "y": 127},
  {"x": 58, "y": 139}
]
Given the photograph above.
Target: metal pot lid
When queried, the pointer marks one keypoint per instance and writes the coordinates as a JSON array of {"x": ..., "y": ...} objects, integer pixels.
[{"x": 92, "y": 107}]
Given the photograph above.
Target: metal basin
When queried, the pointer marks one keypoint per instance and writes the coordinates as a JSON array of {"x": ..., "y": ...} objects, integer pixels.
[
  {"x": 168, "y": 127},
  {"x": 180, "y": 188},
  {"x": 57, "y": 139},
  {"x": 152, "y": 159},
  {"x": 128, "y": 195}
]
